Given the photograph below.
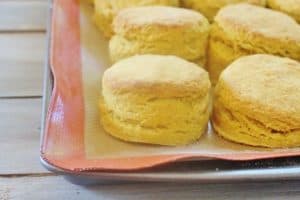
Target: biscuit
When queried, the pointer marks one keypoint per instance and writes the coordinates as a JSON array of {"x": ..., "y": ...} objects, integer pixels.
[
  {"x": 155, "y": 99},
  {"x": 160, "y": 30},
  {"x": 244, "y": 29},
  {"x": 209, "y": 8},
  {"x": 89, "y": 1},
  {"x": 106, "y": 10},
  {"x": 290, "y": 7},
  {"x": 256, "y": 102}
]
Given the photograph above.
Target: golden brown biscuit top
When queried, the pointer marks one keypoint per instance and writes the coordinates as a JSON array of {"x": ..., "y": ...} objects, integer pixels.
[
  {"x": 291, "y": 5},
  {"x": 263, "y": 85},
  {"x": 246, "y": 18},
  {"x": 258, "y": 2},
  {"x": 158, "y": 15},
  {"x": 226, "y": 2},
  {"x": 221, "y": 3},
  {"x": 160, "y": 76},
  {"x": 116, "y": 5}
]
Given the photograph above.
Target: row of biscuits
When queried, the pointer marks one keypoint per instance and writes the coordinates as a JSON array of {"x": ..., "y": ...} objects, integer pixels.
[
  {"x": 166, "y": 100},
  {"x": 106, "y": 10},
  {"x": 210, "y": 7},
  {"x": 239, "y": 29}
]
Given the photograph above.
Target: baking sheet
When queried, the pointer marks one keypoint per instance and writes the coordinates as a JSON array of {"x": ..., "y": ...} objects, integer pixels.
[
  {"x": 98, "y": 144},
  {"x": 74, "y": 138}
]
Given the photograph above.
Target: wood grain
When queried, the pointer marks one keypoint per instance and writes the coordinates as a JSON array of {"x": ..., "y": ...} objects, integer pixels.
[
  {"x": 22, "y": 58},
  {"x": 19, "y": 136},
  {"x": 23, "y": 15},
  {"x": 54, "y": 187}
]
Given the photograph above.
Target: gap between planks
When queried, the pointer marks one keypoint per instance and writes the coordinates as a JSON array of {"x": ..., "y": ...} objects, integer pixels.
[{"x": 28, "y": 175}]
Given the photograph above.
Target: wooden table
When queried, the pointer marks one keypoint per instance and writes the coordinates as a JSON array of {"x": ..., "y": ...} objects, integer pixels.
[{"x": 22, "y": 47}]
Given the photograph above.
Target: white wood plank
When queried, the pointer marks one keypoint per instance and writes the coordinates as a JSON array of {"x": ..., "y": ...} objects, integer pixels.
[
  {"x": 19, "y": 136},
  {"x": 55, "y": 187},
  {"x": 23, "y": 15},
  {"x": 22, "y": 59}
]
